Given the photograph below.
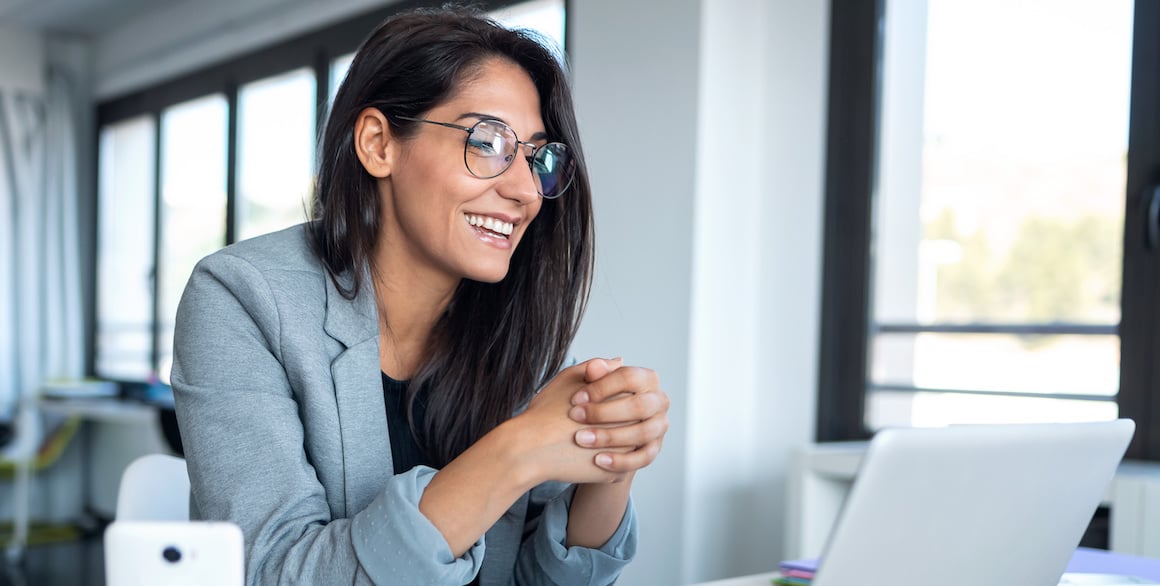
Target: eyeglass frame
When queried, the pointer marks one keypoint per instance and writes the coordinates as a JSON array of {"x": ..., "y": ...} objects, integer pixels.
[{"x": 471, "y": 129}]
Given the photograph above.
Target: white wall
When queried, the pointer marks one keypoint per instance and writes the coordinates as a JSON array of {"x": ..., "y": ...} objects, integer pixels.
[
  {"x": 757, "y": 275},
  {"x": 636, "y": 96},
  {"x": 703, "y": 122}
]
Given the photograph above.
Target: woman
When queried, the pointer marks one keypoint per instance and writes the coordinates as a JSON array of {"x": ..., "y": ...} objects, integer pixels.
[{"x": 359, "y": 393}]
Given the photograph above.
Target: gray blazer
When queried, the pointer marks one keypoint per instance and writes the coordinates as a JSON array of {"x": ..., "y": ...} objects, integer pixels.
[{"x": 280, "y": 403}]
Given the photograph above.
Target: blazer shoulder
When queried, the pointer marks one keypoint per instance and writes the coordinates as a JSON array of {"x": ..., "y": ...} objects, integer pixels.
[{"x": 285, "y": 250}]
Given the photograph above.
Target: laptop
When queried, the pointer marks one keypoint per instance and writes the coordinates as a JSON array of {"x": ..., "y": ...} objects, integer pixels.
[{"x": 972, "y": 504}]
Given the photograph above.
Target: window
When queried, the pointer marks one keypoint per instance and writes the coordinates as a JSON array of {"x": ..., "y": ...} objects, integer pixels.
[
  {"x": 978, "y": 166},
  {"x": 200, "y": 162},
  {"x": 193, "y": 203},
  {"x": 275, "y": 152},
  {"x": 124, "y": 347}
]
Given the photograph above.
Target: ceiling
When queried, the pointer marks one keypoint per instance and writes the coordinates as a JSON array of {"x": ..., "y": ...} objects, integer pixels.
[{"x": 84, "y": 17}]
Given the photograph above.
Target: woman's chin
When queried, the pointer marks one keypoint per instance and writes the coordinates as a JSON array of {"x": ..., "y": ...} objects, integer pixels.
[{"x": 489, "y": 274}]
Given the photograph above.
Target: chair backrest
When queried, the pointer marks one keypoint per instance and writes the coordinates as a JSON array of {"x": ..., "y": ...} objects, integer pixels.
[{"x": 154, "y": 488}]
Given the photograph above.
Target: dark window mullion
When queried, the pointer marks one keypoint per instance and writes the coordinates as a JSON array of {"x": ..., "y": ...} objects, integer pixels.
[
  {"x": 1140, "y": 324},
  {"x": 158, "y": 181},
  {"x": 1036, "y": 328},
  {"x": 901, "y": 388},
  {"x": 231, "y": 93},
  {"x": 851, "y": 147},
  {"x": 322, "y": 65}
]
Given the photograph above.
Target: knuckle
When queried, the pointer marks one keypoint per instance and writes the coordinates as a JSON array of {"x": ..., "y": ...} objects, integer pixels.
[
  {"x": 653, "y": 450},
  {"x": 639, "y": 436},
  {"x": 656, "y": 402},
  {"x": 636, "y": 376},
  {"x": 655, "y": 427}
]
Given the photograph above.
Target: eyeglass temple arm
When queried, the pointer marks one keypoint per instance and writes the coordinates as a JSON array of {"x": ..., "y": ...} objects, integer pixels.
[{"x": 466, "y": 129}]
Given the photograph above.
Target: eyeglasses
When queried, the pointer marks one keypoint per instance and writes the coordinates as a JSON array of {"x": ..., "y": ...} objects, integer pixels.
[{"x": 491, "y": 147}]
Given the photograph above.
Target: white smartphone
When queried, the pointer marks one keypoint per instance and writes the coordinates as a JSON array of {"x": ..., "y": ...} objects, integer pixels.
[{"x": 192, "y": 553}]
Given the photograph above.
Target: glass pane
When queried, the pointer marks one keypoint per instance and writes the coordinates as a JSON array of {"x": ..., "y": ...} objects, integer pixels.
[
  {"x": 1001, "y": 179},
  {"x": 1054, "y": 364},
  {"x": 891, "y": 409},
  {"x": 543, "y": 16},
  {"x": 275, "y": 152},
  {"x": 338, "y": 69},
  {"x": 193, "y": 202},
  {"x": 125, "y": 249}
]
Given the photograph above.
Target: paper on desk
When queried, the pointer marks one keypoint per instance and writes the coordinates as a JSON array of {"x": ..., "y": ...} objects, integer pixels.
[
  {"x": 1101, "y": 580},
  {"x": 1095, "y": 561}
]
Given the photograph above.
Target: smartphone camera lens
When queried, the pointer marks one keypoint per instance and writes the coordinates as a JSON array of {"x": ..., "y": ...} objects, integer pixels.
[{"x": 171, "y": 554}]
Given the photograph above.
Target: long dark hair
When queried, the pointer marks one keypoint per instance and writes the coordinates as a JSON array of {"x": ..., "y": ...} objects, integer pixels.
[{"x": 496, "y": 343}]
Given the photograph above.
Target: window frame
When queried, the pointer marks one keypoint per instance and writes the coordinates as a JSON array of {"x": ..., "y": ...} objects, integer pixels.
[{"x": 856, "y": 44}]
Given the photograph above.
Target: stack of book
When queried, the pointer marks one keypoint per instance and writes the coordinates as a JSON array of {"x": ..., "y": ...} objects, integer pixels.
[{"x": 796, "y": 572}]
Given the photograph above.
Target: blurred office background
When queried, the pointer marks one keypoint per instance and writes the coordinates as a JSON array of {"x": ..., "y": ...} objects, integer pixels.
[{"x": 814, "y": 219}]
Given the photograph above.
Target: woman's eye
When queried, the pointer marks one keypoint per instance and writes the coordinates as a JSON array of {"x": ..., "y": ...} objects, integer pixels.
[{"x": 485, "y": 148}]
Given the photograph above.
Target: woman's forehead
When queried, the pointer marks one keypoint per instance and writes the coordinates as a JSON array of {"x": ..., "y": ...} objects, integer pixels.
[{"x": 499, "y": 90}]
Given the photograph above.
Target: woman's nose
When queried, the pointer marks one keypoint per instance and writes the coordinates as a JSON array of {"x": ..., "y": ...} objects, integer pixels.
[{"x": 518, "y": 182}]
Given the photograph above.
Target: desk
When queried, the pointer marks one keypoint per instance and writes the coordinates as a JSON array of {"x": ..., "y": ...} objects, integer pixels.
[
  {"x": 1091, "y": 561},
  {"x": 751, "y": 580},
  {"x": 117, "y": 432},
  {"x": 102, "y": 410}
]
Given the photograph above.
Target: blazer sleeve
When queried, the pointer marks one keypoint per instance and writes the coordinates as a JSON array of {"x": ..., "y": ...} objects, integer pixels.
[
  {"x": 244, "y": 443},
  {"x": 544, "y": 558}
]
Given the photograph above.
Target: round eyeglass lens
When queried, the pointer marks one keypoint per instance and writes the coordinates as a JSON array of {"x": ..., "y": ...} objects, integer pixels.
[
  {"x": 490, "y": 149},
  {"x": 552, "y": 167}
]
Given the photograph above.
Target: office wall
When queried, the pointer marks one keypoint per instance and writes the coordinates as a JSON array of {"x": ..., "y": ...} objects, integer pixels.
[
  {"x": 636, "y": 96},
  {"x": 703, "y": 121},
  {"x": 756, "y": 275},
  {"x": 704, "y": 126}
]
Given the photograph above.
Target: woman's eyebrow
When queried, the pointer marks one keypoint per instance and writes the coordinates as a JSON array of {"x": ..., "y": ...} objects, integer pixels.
[{"x": 482, "y": 116}]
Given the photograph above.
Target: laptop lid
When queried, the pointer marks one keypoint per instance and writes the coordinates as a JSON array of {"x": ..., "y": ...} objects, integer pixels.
[{"x": 973, "y": 504}]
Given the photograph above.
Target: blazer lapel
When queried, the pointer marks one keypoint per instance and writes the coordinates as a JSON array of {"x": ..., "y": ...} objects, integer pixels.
[{"x": 358, "y": 389}]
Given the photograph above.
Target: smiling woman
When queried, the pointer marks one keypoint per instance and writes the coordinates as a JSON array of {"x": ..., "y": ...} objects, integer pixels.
[{"x": 374, "y": 395}]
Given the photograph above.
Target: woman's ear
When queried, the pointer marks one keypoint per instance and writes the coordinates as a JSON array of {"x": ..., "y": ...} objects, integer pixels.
[{"x": 374, "y": 143}]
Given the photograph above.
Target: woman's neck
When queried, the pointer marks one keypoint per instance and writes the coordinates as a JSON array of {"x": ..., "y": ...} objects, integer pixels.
[{"x": 409, "y": 306}]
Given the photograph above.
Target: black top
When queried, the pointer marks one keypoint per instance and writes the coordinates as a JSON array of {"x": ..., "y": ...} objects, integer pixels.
[{"x": 404, "y": 449}]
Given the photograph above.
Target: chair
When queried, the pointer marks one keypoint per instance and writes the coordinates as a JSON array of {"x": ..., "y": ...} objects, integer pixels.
[
  {"x": 154, "y": 488},
  {"x": 153, "y": 523}
]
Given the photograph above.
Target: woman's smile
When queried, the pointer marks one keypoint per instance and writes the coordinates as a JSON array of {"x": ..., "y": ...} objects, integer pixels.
[{"x": 491, "y": 231}]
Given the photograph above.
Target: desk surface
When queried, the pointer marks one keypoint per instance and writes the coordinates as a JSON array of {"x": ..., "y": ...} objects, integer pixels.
[
  {"x": 1085, "y": 560},
  {"x": 753, "y": 580},
  {"x": 102, "y": 409}
]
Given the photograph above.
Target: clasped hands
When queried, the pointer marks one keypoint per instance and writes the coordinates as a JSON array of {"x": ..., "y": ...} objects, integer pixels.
[{"x": 602, "y": 420}]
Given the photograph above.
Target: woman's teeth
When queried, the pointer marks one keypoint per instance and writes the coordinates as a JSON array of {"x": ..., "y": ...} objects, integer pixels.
[{"x": 489, "y": 223}]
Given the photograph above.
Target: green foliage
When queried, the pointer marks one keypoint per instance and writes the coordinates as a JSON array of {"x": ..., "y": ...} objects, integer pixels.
[{"x": 1055, "y": 270}]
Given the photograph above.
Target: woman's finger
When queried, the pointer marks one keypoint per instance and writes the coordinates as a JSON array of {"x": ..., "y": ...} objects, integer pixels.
[
  {"x": 633, "y": 407},
  {"x": 626, "y": 379},
  {"x": 598, "y": 368},
  {"x": 629, "y": 461},
  {"x": 637, "y": 434}
]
